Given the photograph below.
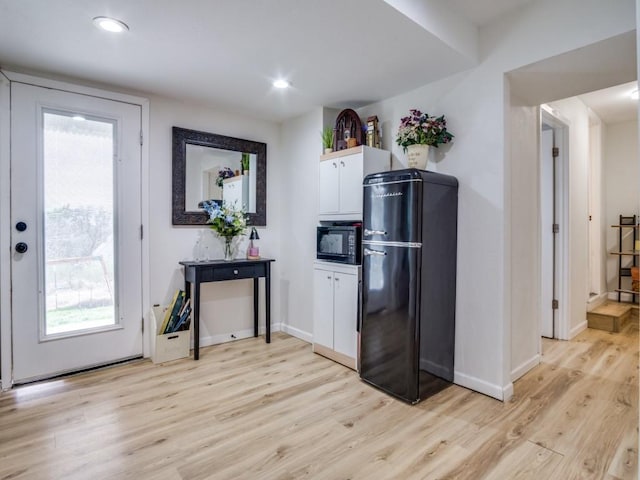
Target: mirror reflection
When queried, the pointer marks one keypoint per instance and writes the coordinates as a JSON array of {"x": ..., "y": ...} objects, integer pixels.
[
  {"x": 219, "y": 175},
  {"x": 207, "y": 166}
]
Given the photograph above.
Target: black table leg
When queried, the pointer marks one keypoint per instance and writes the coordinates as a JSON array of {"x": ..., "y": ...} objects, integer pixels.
[
  {"x": 267, "y": 294},
  {"x": 196, "y": 319},
  {"x": 256, "y": 293}
]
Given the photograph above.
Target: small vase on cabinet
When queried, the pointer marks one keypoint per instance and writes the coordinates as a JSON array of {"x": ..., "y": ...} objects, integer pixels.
[{"x": 417, "y": 156}]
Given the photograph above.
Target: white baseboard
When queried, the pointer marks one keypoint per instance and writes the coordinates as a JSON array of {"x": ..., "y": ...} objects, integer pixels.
[
  {"x": 577, "y": 329},
  {"x": 248, "y": 333},
  {"x": 624, "y": 297},
  {"x": 507, "y": 392},
  {"x": 524, "y": 367},
  {"x": 596, "y": 301},
  {"x": 490, "y": 389},
  {"x": 231, "y": 336},
  {"x": 296, "y": 332}
]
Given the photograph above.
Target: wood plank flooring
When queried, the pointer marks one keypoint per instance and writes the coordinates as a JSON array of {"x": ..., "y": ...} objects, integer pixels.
[{"x": 248, "y": 410}]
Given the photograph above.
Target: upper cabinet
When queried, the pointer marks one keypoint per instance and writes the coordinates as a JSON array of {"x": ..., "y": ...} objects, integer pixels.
[
  {"x": 340, "y": 180},
  {"x": 235, "y": 191}
]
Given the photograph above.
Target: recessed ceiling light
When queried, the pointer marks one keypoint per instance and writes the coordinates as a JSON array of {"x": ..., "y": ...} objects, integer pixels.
[
  {"x": 110, "y": 24},
  {"x": 634, "y": 94},
  {"x": 281, "y": 83}
]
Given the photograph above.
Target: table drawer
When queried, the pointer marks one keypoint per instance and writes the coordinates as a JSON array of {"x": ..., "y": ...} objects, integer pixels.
[{"x": 235, "y": 272}]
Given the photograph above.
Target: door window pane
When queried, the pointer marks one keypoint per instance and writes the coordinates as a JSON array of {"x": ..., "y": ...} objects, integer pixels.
[{"x": 78, "y": 173}]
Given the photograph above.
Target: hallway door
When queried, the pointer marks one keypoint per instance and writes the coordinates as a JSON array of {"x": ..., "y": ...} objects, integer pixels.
[{"x": 547, "y": 213}]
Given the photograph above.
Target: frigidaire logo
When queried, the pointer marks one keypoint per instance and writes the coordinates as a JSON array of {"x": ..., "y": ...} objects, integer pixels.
[{"x": 389, "y": 194}]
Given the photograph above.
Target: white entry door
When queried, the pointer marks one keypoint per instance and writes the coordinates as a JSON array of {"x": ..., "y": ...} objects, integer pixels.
[{"x": 76, "y": 231}]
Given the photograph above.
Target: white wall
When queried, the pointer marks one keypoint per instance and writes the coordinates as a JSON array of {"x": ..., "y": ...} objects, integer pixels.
[
  {"x": 524, "y": 274},
  {"x": 302, "y": 146},
  {"x": 476, "y": 104},
  {"x": 622, "y": 187},
  {"x": 226, "y": 307}
]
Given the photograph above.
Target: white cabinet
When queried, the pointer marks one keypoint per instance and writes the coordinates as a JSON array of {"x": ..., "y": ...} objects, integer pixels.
[
  {"x": 340, "y": 177},
  {"x": 335, "y": 312},
  {"x": 235, "y": 191}
]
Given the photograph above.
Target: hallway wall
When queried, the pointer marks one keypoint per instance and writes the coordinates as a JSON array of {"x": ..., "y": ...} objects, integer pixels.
[{"x": 621, "y": 187}]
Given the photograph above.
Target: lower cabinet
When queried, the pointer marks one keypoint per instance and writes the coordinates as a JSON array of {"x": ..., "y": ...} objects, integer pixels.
[{"x": 335, "y": 312}]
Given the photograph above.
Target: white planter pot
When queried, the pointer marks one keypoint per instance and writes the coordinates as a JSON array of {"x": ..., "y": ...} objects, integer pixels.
[{"x": 417, "y": 156}]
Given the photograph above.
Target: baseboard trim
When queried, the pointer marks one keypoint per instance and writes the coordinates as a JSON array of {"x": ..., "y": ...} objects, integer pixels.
[
  {"x": 232, "y": 336},
  {"x": 577, "y": 329},
  {"x": 296, "y": 332},
  {"x": 507, "y": 392},
  {"x": 335, "y": 356},
  {"x": 480, "y": 386},
  {"x": 624, "y": 297},
  {"x": 596, "y": 301},
  {"x": 524, "y": 367}
]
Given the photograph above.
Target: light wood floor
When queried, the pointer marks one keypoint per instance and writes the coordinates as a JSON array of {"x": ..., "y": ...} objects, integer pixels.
[{"x": 248, "y": 410}]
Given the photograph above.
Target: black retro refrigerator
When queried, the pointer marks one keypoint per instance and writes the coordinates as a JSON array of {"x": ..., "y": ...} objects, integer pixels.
[{"x": 409, "y": 240}]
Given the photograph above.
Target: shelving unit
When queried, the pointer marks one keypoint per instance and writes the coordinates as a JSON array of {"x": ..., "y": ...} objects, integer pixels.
[{"x": 625, "y": 251}]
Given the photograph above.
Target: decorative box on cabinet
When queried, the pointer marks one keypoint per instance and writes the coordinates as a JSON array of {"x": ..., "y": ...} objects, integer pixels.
[
  {"x": 340, "y": 180},
  {"x": 335, "y": 311}
]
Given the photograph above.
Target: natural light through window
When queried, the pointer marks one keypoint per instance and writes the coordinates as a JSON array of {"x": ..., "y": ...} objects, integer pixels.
[{"x": 78, "y": 218}]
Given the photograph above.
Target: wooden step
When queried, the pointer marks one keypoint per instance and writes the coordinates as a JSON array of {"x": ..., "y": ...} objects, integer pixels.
[{"x": 610, "y": 317}]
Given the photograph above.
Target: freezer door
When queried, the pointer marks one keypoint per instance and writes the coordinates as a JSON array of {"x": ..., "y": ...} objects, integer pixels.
[
  {"x": 392, "y": 209},
  {"x": 389, "y": 337}
]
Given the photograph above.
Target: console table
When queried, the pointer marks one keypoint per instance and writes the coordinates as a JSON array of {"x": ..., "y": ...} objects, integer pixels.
[{"x": 219, "y": 271}]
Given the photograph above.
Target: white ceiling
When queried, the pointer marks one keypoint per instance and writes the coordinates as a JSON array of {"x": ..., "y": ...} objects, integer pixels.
[
  {"x": 614, "y": 104},
  {"x": 482, "y": 12},
  {"x": 225, "y": 53},
  {"x": 594, "y": 68}
]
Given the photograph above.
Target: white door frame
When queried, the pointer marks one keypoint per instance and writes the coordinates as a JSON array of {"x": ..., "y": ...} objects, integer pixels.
[
  {"x": 560, "y": 128},
  {"x": 6, "y": 77}
]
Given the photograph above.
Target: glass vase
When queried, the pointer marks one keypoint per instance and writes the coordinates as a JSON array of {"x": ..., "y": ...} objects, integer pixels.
[{"x": 229, "y": 250}]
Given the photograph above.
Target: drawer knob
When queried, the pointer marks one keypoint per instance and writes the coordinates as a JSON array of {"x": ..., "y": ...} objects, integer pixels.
[{"x": 235, "y": 272}]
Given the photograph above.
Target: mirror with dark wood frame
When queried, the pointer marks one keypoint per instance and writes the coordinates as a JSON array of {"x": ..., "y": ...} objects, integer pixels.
[{"x": 198, "y": 158}]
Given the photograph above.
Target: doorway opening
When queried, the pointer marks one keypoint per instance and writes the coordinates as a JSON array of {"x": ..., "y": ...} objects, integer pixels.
[{"x": 577, "y": 254}]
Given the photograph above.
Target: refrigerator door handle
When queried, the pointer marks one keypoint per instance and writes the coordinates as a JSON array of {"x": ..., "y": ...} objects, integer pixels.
[
  {"x": 368, "y": 251},
  {"x": 374, "y": 232}
]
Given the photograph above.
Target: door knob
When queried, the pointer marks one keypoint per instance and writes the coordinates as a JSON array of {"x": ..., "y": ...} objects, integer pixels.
[
  {"x": 21, "y": 247},
  {"x": 21, "y": 226}
]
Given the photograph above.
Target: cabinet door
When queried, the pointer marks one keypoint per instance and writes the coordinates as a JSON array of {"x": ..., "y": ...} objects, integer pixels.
[
  {"x": 350, "y": 168},
  {"x": 323, "y": 307},
  {"x": 328, "y": 187},
  {"x": 345, "y": 313},
  {"x": 232, "y": 191}
]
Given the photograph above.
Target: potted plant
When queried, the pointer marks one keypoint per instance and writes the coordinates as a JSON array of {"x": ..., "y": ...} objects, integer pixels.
[
  {"x": 244, "y": 163},
  {"x": 223, "y": 174},
  {"x": 327, "y": 139},
  {"x": 418, "y": 132}
]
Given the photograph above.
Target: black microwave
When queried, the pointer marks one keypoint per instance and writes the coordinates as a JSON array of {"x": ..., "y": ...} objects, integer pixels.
[{"x": 339, "y": 243}]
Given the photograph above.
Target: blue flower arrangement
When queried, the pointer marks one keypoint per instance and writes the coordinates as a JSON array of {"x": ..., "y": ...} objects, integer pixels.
[{"x": 225, "y": 220}]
